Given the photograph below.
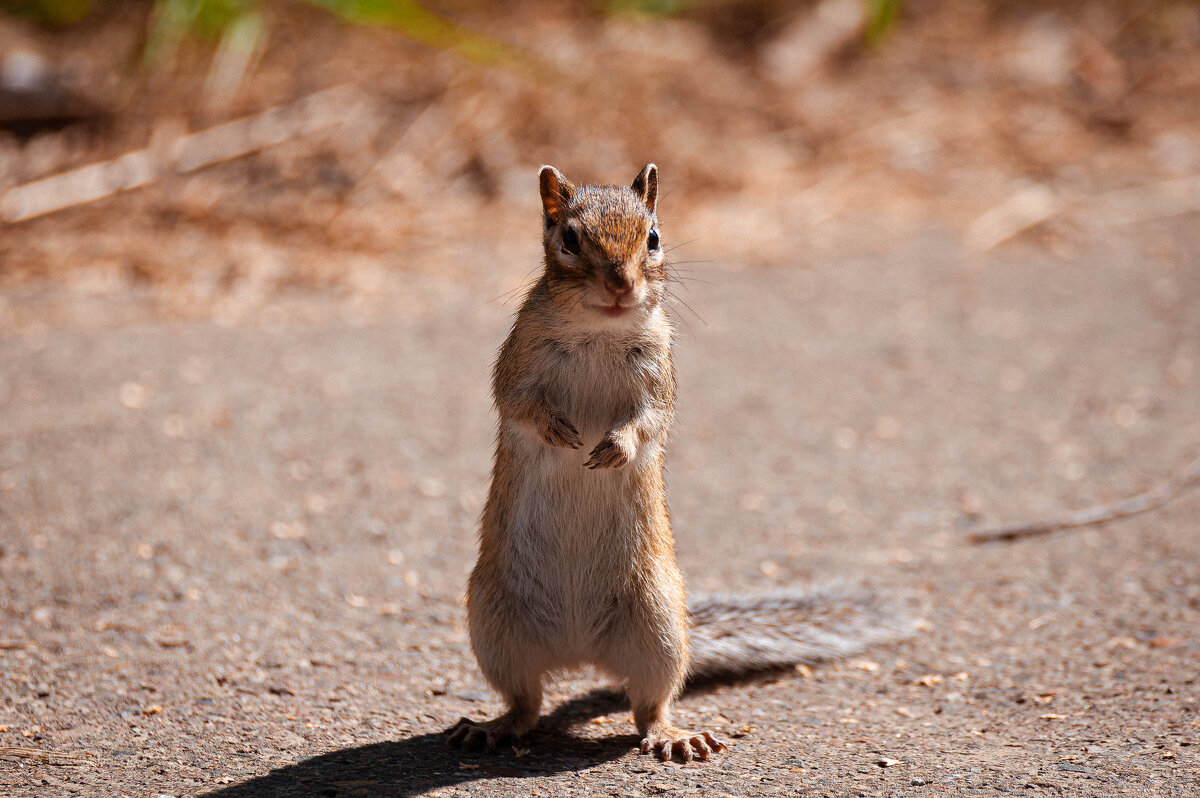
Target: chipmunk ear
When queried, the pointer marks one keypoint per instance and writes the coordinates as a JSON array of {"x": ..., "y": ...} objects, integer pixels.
[
  {"x": 556, "y": 193},
  {"x": 645, "y": 185}
]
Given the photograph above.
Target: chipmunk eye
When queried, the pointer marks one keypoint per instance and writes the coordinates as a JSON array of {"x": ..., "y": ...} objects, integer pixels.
[
  {"x": 570, "y": 242},
  {"x": 652, "y": 241}
]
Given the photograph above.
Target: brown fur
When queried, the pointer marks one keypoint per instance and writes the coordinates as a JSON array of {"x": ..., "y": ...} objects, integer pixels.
[{"x": 577, "y": 562}]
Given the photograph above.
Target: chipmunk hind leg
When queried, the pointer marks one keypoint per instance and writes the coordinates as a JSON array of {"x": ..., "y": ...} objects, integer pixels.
[
  {"x": 651, "y": 659},
  {"x": 520, "y": 683},
  {"x": 514, "y": 667},
  {"x": 652, "y": 715}
]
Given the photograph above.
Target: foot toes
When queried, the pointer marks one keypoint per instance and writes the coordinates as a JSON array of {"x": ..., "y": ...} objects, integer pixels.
[
  {"x": 500, "y": 740},
  {"x": 477, "y": 739},
  {"x": 702, "y": 751}
]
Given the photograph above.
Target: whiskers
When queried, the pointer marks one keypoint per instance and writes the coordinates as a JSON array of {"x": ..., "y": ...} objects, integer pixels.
[
  {"x": 567, "y": 294},
  {"x": 677, "y": 277},
  {"x": 526, "y": 283}
]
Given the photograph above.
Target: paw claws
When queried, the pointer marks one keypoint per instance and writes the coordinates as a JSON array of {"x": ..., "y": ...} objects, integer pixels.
[
  {"x": 561, "y": 432},
  {"x": 607, "y": 454},
  {"x": 679, "y": 743},
  {"x": 471, "y": 736}
]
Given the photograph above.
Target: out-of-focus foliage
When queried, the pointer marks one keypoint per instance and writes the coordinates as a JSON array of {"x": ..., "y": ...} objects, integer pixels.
[
  {"x": 651, "y": 7},
  {"x": 881, "y": 14},
  {"x": 239, "y": 23},
  {"x": 49, "y": 12},
  {"x": 417, "y": 22},
  {"x": 173, "y": 20}
]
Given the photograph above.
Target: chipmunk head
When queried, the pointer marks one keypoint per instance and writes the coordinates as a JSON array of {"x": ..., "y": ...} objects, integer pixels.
[{"x": 604, "y": 260}]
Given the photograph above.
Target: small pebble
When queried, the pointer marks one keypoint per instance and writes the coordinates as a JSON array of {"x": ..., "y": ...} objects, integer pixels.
[{"x": 1073, "y": 768}]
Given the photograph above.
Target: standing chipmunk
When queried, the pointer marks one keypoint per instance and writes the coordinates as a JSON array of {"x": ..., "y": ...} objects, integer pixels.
[{"x": 576, "y": 558}]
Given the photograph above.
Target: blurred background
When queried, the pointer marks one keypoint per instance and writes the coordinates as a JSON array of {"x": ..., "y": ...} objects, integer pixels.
[
  {"x": 379, "y": 135},
  {"x": 940, "y": 269}
]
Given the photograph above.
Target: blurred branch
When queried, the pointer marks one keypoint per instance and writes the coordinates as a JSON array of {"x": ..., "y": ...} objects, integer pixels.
[
  {"x": 1038, "y": 203},
  {"x": 1026, "y": 208},
  {"x": 316, "y": 112}
]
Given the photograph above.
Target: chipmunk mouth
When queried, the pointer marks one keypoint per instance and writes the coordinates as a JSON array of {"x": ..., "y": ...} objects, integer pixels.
[{"x": 613, "y": 311}]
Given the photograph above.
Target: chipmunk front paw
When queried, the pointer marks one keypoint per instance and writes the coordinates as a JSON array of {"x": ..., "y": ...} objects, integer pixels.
[
  {"x": 610, "y": 452},
  {"x": 559, "y": 431},
  {"x": 666, "y": 741}
]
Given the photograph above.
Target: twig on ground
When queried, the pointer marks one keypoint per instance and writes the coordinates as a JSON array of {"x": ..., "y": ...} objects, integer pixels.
[
  {"x": 47, "y": 757},
  {"x": 1149, "y": 500}
]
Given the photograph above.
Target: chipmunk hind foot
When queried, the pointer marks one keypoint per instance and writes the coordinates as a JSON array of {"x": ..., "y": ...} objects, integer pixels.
[
  {"x": 490, "y": 735},
  {"x": 666, "y": 742}
]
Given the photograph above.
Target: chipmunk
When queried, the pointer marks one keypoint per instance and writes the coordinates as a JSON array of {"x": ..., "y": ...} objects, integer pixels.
[{"x": 576, "y": 558}]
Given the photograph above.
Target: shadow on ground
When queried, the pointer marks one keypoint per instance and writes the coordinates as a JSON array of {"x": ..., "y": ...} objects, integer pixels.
[{"x": 419, "y": 764}]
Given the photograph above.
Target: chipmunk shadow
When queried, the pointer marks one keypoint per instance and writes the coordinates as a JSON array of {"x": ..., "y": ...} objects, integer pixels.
[{"x": 418, "y": 764}]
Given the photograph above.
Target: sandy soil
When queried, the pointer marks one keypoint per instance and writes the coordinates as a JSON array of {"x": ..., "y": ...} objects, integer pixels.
[{"x": 234, "y": 554}]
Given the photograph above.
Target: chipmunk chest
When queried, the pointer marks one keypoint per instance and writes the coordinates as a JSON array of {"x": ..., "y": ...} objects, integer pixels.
[{"x": 594, "y": 385}]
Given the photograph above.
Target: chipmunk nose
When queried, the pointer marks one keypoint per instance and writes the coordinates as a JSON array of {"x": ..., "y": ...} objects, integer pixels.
[{"x": 619, "y": 285}]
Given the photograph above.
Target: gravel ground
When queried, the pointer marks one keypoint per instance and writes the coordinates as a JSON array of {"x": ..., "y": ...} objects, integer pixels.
[{"x": 233, "y": 551}]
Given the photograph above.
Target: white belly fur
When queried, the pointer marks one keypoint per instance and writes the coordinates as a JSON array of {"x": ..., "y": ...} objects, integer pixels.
[{"x": 573, "y": 527}]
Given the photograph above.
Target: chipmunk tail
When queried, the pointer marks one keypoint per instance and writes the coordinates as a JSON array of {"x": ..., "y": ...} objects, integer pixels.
[{"x": 732, "y": 635}]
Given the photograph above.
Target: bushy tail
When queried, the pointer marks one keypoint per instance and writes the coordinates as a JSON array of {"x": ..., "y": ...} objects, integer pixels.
[{"x": 733, "y": 635}]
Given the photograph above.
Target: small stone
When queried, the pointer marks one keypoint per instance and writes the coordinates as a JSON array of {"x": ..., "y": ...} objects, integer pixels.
[
  {"x": 133, "y": 395},
  {"x": 753, "y": 502},
  {"x": 1067, "y": 766},
  {"x": 471, "y": 696},
  {"x": 887, "y": 428},
  {"x": 174, "y": 426},
  {"x": 431, "y": 487},
  {"x": 845, "y": 438}
]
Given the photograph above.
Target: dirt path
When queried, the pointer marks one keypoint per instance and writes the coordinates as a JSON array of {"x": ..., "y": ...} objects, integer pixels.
[{"x": 232, "y": 554}]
